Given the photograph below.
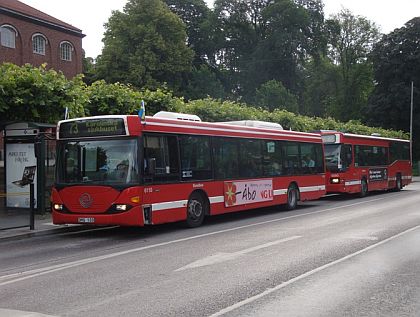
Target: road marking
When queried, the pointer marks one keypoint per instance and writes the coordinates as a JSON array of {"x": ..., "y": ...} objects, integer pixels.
[
  {"x": 308, "y": 274},
  {"x": 21, "y": 276},
  {"x": 226, "y": 256},
  {"x": 21, "y": 313}
]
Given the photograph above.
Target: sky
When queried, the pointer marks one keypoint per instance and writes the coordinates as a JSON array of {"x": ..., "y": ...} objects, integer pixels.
[{"x": 90, "y": 15}]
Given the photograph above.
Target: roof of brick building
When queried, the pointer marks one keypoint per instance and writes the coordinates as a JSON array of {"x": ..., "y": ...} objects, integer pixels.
[{"x": 21, "y": 8}]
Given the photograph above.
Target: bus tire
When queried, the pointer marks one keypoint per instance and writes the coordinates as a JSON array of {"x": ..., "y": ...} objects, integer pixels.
[
  {"x": 398, "y": 183},
  {"x": 196, "y": 210},
  {"x": 292, "y": 197},
  {"x": 363, "y": 188}
]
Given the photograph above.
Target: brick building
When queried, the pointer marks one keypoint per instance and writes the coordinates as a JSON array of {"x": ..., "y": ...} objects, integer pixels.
[{"x": 28, "y": 35}]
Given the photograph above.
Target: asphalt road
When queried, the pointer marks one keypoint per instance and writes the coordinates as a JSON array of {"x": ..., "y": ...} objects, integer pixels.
[{"x": 339, "y": 256}]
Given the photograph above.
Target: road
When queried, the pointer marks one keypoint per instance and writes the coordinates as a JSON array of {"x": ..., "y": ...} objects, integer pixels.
[{"x": 339, "y": 256}]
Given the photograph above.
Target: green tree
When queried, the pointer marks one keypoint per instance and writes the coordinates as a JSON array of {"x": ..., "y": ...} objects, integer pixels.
[
  {"x": 352, "y": 39},
  {"x": 273, "y": 95},
  {"x": 267, "y": 39},
  {"x": 145, "y": 45},
  {"x": 396, "y": 60},
  {"x": 203, "y": 83},
  {"x": 30, "y": 93},
  {"x": 321, "y": 87},
  {"x": 89, "y": 70},
  {"x": 196, "y": 16}
]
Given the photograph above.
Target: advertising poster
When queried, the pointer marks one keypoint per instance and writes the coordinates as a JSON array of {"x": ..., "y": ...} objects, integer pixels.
[
  {"x": 378, "y": 174},
  {"x": 248, "y": 192},
  {"x": 20, "y": 172}
]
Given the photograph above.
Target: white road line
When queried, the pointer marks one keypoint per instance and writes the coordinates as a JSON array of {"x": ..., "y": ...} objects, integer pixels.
[
  {"x": 228, "y": 256},
  {"x": 309, "y": 273},
  {"x": 16, "y": 277}
]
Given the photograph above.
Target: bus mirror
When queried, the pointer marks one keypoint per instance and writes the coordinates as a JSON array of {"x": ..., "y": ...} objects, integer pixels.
[{"x": 151, "y": 166}]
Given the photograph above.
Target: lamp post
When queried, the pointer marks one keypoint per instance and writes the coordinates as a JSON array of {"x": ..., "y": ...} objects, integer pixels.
[{"x": 411, "y": 124}]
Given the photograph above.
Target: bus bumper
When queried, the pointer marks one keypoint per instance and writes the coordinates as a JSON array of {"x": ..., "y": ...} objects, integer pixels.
[{"x": 133, "y": 217}]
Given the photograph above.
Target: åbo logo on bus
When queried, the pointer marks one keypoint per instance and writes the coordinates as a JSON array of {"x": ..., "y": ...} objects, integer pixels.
[{"x": 246, "y": 192}]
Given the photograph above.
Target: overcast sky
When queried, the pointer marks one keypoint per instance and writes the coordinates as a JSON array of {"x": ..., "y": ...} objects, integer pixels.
[{"x": 90, "y": 15}]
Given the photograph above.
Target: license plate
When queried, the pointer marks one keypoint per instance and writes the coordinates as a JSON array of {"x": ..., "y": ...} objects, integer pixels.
[{"x": 86, "y": 220}]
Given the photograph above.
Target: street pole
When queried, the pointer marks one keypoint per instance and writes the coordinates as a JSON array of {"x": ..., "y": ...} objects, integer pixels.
[{"x": 411, "y": 124}]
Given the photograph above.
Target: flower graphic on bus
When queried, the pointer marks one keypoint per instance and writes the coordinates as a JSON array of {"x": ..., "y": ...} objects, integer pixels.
[{"x": 230, "y": 194}]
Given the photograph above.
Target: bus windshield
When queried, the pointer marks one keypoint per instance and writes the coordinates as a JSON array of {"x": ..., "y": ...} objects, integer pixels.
[
  {"x": 338, "y": 157},
  {"x": 111, "y": 161}
]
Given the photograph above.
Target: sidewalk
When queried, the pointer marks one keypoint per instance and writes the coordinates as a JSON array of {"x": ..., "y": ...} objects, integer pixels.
[{"x": 43, "y": 226}]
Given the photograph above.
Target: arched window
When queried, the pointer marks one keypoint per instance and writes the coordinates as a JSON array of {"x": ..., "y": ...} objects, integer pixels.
[
  {"x": 8, "y": 36},
  {"x": 66, "y": 51},
  {"x": 39, "y": 42}
]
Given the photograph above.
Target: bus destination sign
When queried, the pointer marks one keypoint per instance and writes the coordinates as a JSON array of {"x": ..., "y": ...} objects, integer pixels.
[{"x": 92, "y": 128}]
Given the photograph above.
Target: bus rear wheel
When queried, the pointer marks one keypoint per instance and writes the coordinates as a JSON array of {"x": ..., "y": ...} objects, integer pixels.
[
  {"x": 363, "y": 188},
  {"x": 398, "y": 183},
  {"x": 292, "y": 197},
  {"x": 196, "y": 211}
]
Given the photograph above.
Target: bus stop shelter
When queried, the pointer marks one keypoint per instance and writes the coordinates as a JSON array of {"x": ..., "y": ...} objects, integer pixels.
[{"x": 27, "y": 160}]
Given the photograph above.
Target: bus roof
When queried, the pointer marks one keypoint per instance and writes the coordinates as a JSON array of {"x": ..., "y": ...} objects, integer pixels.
[
  {"x": 361, "y": 136},
  {"x": 171, "y": 125}
]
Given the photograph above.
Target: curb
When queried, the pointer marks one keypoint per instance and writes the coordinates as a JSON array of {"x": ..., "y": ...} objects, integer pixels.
[{"x": 45, "y": 232}]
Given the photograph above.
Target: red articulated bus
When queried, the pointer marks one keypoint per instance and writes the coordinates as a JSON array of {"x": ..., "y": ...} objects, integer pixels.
[
  {"x": 359, "y": 163},
  {"x": 119, "y": 170}
]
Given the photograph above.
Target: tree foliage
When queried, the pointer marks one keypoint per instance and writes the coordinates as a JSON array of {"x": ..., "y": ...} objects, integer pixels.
[
  {"x": 351, "y": 40},
  {"x": 145, "y": 45},
  {"x": 396, "y": 60},
  {"x": 273, "y": 95},
  {"x": 37, "y": 94}
]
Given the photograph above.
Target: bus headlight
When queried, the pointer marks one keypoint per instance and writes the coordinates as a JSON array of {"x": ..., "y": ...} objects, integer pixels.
[
  {"x": 121, "y": 207},
  {"x": 58, "y": 207},
  {"x": 335, "y": 180}
]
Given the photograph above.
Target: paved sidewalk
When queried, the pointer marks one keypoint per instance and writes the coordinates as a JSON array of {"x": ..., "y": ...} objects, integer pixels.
[{"x": 43, "y": 226}]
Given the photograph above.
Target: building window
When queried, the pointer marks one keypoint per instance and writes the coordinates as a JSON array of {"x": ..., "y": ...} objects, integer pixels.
[
  {"x": 38, "y": 44},
  {"x": 8, "y": 36},
  {"x": 66, "y": 50}
]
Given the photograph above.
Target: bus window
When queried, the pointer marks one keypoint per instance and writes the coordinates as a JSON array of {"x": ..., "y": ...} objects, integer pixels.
[
  {"x": 226, "y": 158},
  {"x": 195, "y": 157},
  {"x": 272, "y": 158},
  {"x": 250, "y": 164},
  {"x": 311, "y": 158},
  {"x": 292, "y": 158},
  {"x": 163, "y": 150}
]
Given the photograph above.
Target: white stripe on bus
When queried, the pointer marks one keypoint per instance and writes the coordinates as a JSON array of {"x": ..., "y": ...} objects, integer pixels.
[
  {"x": 353, "y": 182},
  {"x": 221, "y": 199}
]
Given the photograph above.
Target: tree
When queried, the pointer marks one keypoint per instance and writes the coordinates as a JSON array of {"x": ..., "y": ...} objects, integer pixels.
[
  {"x": 352, "y": 39},
  {"x": 273, "y": 95},
  {"x": 36, "y": 94},
  {"x": 145, "y": 45},
  {"x": 196, "y": 16},
  {"x": 203, "y": 83},
  {"x": 267, "y": 39},
  {"x": 321, "y": 87},
  {"x": 396, "y": 60}
]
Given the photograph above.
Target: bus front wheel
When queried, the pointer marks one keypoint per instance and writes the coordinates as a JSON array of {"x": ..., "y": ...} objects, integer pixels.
[
  {"x": 292, "y": 197},
  {"x": 196, "y": 210}
]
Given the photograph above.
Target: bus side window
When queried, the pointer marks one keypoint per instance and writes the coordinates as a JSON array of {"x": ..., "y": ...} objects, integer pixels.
[
  {"x": 164, "y": 151},
  {"x": 346, "y": 155}
]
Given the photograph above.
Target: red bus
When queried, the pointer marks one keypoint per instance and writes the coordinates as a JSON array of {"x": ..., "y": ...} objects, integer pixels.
[
  {"x": 118, "y": 170},
  {"x": 359, "y": 163}
]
